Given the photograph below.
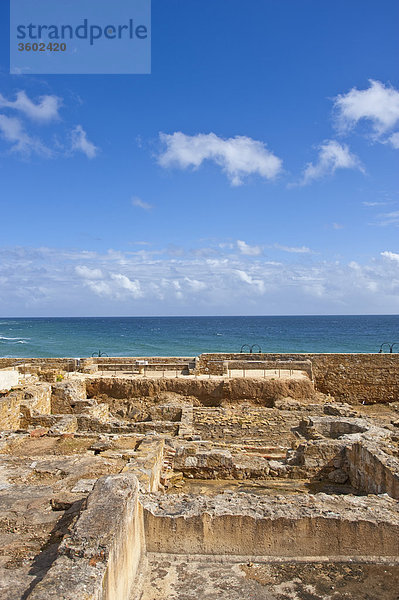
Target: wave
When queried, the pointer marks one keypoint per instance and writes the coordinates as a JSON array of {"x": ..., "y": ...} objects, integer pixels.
[{"x": 12, "y": 339}]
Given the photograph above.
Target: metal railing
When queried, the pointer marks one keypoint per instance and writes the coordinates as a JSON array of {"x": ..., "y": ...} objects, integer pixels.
[
  {"x": 251, "y": 348},
  {"x": 390, "y": 346}
]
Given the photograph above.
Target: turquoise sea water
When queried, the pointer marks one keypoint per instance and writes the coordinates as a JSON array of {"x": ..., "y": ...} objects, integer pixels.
[{"x": 189, "y": 336}]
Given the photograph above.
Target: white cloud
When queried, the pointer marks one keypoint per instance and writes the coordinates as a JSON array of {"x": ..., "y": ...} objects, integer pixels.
[
  {"x": 87, "y": 273},
  {"x": 80, "y": 142},
  {"x": 101, "y": 288},
  {"x": 139, "y": 203},
  {"x": 394, "y": 140},
  {"x": 378, "y": 104},
  {"x": 248, "y": 250},
  {"x": 52, "y": 281},
  {"x": 332, "y": 156},
  {"x": 337, "y": 226},
  {"x": 12, "y": 130},
  {"x": 109, "y": 284},
  {"x": 238, "y": 157},
  {"x": 44, "y": 111},
  {"x": 131, "y": 286},
  {"x": 372, "y": 204},
  {"x": 294, "y": 249},
  {"x": 390, "y": 255},
  {"x": 391, "y": 218},
  {"x": 194, "y": 284},
  {"x": 258, "y": 284}
]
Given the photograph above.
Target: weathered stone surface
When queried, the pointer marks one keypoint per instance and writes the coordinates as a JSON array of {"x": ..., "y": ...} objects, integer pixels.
[
  {"x": 319, "y": 525},
  {"x": 354, "y": 378},
  {"x": 202, "y": 463},
  {"x": 66, "y": 393},
  {"x": 9, "y": 412},
  {"x": 208, "y": 392},
  {"x": 72, "y": 525},
  {"x": 100, "y": 557},
  {"x": 371, "y": 470}
]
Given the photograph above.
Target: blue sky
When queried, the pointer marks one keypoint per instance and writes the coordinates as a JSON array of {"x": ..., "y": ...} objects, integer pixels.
[{"x": 253, "y": 172}]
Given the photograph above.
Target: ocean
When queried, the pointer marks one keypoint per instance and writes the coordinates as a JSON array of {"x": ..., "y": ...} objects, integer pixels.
[{"x": 190, "y": 336}]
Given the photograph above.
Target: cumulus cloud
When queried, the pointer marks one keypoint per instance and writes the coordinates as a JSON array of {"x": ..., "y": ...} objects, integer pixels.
[
  {"x": 238, "y": 157},
  {"x": 258, "y": 284},
  {"x": 139, "y": 203},
  {"x": 248, "y": 250},
  {"x": 294, "y": 249},
  {"x": 101, "y": 288},
  {"x": 83, "y": 282},
  {"x": 87, "y": 273},
  {"x": 131, "y": 286},
  {"x": 81, "y": 143},
  {"x": 13, "y": 131},
  {"x": 109, "y": 284},
  {"x": 378, "y": 104},
  {"x": 390, "y": 255},
  {"x": 332, "y": 156},
  {"x": 44, "y": 111}
]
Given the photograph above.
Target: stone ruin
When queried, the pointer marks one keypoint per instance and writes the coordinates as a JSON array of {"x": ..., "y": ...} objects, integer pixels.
[{"x": 245, "y": 483}]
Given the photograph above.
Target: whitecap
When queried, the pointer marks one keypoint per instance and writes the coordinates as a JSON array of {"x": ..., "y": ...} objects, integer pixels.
[{"x": 12, "y": 339}]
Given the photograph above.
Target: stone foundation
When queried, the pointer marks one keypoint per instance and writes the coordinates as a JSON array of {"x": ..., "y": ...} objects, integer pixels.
[{"x": 134, "y": 487}]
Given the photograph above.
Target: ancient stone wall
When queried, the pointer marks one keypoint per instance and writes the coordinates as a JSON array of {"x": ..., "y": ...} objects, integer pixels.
[
  {"x": 9, "y": 412},
  {"x": 252, "y": 526},
  {"x": 209, "y": 392},
  {"x": 155, "y": 363},
  {"x": 102, "y": 557},
  {"x": 62, "y": 364},
  {"x": 65, "y": 394},
  {"x": 368, "y": 378},
  {"x": 36, "y": 397},
  {"x": 371, "y": 470},
  {"x": 355, "y": 378}
]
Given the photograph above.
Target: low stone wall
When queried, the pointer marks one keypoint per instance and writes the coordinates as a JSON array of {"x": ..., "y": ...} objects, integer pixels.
[
  {"x": 129, "y": 363},
  {"x": 102, "y": 557},
  {"x": 146, "y": 464},
  {"x": 354, "y": 378},
  {"x": 371, "y": 470},
  {"x": 208, "y": 392},
  {"x": 250, "y": 525},
  {"x": 65, "y": 394},
  {"x": 60, "y": 364},
  {"x": 218, "y": 363},
  {"x": 35, "y": 397},
  {"x": 38, "y": 397},
  {"x": 9, "y": 412},
  {"x": 204, "y": 462}
]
